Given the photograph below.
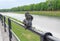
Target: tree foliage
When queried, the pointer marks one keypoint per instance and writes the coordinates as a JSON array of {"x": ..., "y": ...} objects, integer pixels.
[{"x": 49, "y": 5}]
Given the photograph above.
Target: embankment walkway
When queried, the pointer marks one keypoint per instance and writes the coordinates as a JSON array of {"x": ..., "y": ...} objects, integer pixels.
[{"x": 1, "y": 38}]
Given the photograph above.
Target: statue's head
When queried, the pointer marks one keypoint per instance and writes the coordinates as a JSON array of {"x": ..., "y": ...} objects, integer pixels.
[{"x": 26, "y": 14}]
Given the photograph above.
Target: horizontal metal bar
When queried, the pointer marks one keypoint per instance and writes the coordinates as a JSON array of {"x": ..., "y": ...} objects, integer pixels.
[{"x": 53, "y": 38}]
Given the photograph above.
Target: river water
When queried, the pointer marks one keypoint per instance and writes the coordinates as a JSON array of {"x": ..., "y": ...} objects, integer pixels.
[{"x": 44, "y": 23}]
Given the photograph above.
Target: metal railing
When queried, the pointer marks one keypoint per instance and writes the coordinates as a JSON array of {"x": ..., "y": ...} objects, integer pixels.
[{"x": 44, "y": 36}]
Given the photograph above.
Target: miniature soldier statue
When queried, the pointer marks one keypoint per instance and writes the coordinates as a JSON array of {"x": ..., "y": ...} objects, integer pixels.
[{"x": 28, "y": 21}]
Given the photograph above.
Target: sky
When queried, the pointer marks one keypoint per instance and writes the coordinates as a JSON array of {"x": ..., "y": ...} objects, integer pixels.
[{"x": 4, "y": 4}]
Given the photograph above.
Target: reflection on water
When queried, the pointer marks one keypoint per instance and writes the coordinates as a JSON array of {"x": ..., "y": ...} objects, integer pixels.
[{"x": 48, "y": 24}]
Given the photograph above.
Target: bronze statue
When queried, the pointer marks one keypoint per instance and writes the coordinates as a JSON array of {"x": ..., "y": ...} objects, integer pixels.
[{"x": 28, "y": 20}]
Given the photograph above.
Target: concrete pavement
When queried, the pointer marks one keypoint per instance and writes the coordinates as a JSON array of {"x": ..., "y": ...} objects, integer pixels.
[{"x": 1, "y": 39}]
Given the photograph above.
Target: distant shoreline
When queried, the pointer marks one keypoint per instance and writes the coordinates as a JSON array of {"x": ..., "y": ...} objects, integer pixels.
[{"x": 44, "y": 13}]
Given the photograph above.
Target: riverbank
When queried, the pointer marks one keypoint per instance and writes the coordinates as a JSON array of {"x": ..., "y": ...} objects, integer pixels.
[{"x": 44, "y": 13}]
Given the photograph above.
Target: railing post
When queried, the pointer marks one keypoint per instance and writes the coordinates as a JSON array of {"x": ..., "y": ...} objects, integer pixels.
[
  {"x": 4, "y": 24},
  {"x": 2, "y": 19},
  {"x": 10, "y": 33}
]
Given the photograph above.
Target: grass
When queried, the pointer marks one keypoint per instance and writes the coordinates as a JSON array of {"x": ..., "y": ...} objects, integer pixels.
[
  {"x": 44, "y": 13},
  {"x": 24, "y": 35}
]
